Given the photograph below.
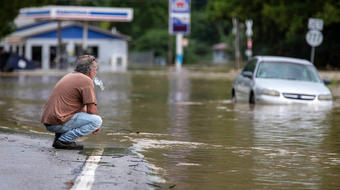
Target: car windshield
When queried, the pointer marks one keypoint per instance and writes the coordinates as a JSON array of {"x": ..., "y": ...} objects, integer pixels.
[{"x": 287, "y": 71}]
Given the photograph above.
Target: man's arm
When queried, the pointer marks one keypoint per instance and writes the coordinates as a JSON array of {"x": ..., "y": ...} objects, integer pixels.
[
  {"x": 84, "y": 109},
  {"x": 92, "y": 109}
]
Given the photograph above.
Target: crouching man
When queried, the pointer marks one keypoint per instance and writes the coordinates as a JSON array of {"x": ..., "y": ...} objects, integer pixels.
[{"x": 71, "y": 111}]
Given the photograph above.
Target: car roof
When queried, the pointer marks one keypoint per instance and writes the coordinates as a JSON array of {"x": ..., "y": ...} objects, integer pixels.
[{"x": 283, "y": 59}]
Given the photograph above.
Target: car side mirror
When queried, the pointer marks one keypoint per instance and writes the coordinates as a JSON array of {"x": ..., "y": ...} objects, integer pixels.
[
  {"x": 247, "y": 74},
  {"x": 327, "y": 81}
]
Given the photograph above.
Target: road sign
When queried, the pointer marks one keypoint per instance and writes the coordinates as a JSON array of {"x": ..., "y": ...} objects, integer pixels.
[
  {"x": 314, "y": 38},
  {"x": 249, "y": 53},
  {"x": 315, "y": 24},
  {"x": 249, "y": 25},
  {"x": 249, "y": 43},
  {"x": 180, "y": 6},
  {"x": 180, "y": 23}
]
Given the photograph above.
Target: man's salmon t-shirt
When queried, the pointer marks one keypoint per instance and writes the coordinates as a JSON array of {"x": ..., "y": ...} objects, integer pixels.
[{"x": 69, "y": 96}]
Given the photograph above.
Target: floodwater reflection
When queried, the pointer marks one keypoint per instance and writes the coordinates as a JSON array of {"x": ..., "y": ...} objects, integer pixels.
[
  {"x": 286, "y": 146},
  {"x": 190, "y": 133},
  {"x": 179, "y": 95}
]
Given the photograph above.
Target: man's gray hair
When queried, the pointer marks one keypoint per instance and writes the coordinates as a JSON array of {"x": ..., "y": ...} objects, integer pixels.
[{"x": 84, "y": 63}]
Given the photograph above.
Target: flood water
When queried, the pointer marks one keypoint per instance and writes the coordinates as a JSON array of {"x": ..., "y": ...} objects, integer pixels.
[{"x": 191, "y": 134}]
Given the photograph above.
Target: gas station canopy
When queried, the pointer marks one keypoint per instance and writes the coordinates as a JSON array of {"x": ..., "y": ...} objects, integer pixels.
[{"x": 77, "y": 13}]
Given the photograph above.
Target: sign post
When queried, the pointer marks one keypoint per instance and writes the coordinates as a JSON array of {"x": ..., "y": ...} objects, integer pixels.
[
  {"x": 314, "y": 36},
  {"x": 249, "y": 34},
  {"x": 179, "y": 24}
]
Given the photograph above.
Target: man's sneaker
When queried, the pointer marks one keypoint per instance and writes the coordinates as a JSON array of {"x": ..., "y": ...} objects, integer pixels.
[
  {"x": 56, "y": 137},
  {"x": 67, "y": 145}
]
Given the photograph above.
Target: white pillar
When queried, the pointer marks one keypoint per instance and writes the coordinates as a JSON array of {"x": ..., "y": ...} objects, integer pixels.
[
  {"x": 45, "y": 57},
  {"x": 85, "y": 31},
  {"x": 125, "y": 54},
  {"x": 179, "y": 51},
  {"x": 28, "y": 51},
  {"x": 59, "y": 45},
  {"x": 70, "y": 47},
  {"x": 6, "y": 46}
]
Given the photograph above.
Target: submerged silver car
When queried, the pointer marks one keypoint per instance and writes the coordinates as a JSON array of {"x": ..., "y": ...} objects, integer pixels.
[{"x": 280, "y": 80}]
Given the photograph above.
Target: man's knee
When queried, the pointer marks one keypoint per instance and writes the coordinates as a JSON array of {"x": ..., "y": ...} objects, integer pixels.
[{"x": 97, "y": 121}]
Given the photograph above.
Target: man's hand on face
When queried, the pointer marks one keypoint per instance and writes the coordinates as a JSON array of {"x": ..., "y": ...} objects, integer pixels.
[{"x": 97, "y": 131}]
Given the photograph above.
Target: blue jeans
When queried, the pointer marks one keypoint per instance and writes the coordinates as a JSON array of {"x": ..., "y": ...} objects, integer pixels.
[{"x": 81, "y": 124}]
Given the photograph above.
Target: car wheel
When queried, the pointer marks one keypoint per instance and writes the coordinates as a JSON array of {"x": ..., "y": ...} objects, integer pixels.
[
  {"x": 252, "y": 98},
  {"x": 233, "y": 96}
]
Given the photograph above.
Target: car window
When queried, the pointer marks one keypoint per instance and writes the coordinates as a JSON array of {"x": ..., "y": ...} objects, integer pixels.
[
  {"x": 287, "y": 71},
  {"x": 250, "y": 66}
]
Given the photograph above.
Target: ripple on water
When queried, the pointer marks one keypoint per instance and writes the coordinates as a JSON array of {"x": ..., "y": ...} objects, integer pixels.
[{"x": 187, "y": 164}]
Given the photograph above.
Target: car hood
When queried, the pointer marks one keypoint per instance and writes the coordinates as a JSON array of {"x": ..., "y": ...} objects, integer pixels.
[{"x": 292, "y": 86}]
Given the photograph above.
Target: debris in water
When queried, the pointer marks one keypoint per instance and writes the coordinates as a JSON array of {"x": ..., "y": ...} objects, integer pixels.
[{"x": 172, "y": 186}]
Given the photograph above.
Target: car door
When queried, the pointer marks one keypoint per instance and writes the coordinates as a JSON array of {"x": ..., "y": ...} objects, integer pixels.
[{"x": 245, "y": 81}]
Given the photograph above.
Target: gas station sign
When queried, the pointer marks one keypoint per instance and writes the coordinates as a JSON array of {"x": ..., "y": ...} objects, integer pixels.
[{"x": 179, "y": 16}]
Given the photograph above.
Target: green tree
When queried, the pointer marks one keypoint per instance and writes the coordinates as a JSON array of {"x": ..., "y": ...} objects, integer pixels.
[
  {"x": 10, "y": 9},
  {"x": 153, "y": 39},
  {"x": 147, "y": 15},
  {"x": 202, "y": 35},
  {"x": 280, "y": 26}
]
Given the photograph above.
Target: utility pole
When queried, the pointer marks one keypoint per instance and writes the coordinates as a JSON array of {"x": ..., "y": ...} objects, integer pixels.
[{"x": 236, "y": 31}]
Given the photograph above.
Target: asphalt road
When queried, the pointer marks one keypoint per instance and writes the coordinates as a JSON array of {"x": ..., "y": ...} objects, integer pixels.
[{"x": 29, "y": 162}]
